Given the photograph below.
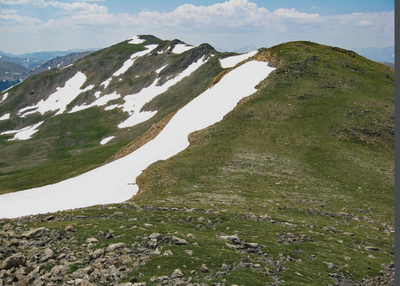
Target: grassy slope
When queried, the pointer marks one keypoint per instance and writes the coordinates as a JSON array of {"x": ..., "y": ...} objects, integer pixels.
[
  {"x": 300, "y": 157},
  {"x": 58, "y": 150},
  {"x": 313, "y": 146}
]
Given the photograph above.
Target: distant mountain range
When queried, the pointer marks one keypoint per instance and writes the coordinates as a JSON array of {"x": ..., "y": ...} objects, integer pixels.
[
  {"x": 16, "y": 68},
  {"x": 377, "y": 54},
  {"x": 45, "y": 56},
  {"x": 27, "y": 62},
  {"x": 244, "y": 49}
]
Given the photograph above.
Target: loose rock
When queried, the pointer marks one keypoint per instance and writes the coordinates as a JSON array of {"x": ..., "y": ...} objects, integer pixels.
[
  {"x": 14, "y": 261},
  {"x": 92, "y": 240},
  {"x": 204, "y": 268},
  {"x": 34, "y": 233},
  {"x": 115, "y": 246},
  {"x": 177, "y": 274}
]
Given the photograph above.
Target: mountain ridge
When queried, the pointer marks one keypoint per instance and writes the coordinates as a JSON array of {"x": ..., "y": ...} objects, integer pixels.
[
  {"x": 48, "y": 55},
  {"x": 42, "y": 85},
  {"x": 32, "y": 66},
  {"x": 294, "y": 184},
  {"x": 35, "y": 61}
]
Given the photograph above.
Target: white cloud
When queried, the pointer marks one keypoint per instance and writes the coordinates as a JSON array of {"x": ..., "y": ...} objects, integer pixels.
[
  {"x": 79, "y": 6},
  {"x": 73, "y": 15},
  {"x": 232, "y": 15},
  {"x": 365, "y": 23},
  {"x": 74, "y": 6},
  {"x": 37, "y": 3},
  {"x": 221, "y": 24},
  {"x": 8, "y": 11},
  {"x": 294, "y": 15},
  {"x": 24, "y": 20},
  {"x": 241, "y": 16}
]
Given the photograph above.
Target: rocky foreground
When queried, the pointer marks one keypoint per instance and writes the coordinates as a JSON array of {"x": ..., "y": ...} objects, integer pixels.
[
  {"x": 26, "y": 255},
  {"x": 46, "y": 256}
]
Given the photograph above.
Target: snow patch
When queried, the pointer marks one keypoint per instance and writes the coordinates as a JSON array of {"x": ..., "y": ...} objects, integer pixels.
[
  {"x": 99, "y": 102},
  {"x": 24, "y": 133},
  {"x": 67, "y": 66},
  {"x": 106, "y": 140},
  {"x": 136, "y": 40},
  {"x": 111, "y": 107},
  {"x": 137, "y": 117},
  {"x": 97, "y": 94},
  {"x": 127, "y": 64},
  {"x": 4, "y": 97},
  {"x": 134, "y": 102},
  {"x": 5, "y": 116},
  {"x": 59, "y": 99},
  {"x": 181, "y": 48},
  {"x": 106, "y": 82},
  {"x": 115, "y": 182},
  {"x": 234, "y": 60},
  {"x": 160, "y": 69}
]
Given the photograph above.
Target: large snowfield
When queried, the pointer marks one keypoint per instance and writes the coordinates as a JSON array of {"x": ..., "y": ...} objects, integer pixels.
[{"x": 115, "y": 182}]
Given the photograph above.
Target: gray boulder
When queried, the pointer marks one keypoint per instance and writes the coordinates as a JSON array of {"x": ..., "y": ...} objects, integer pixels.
[
  {"x": 37, "y": 232},
  {"x": 115, "y": 246},
  {"x": 14, "y": 261}
]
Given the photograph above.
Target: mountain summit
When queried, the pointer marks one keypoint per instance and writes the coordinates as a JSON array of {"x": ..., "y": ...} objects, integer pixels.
[
  {"x": 156, "y": 66},
  {"x": 135, "y": 83},
  {"x": 276, "y": 164}
]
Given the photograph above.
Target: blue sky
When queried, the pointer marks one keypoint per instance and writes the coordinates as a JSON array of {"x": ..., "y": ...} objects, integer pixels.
[
  {"x": 39, "y": 25},
  {"x": 323, "y": 7}
]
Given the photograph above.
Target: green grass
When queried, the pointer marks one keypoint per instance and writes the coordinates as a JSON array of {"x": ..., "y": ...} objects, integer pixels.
[
  {"x": 280, "y": 140},
  {"x": 313, "y": 140},
  {"x": 311, "y": 153},
  {"x": 60, "y": 138},
  {"x": 63, "y": 168},
  {"x": 65, "y": 136},
  {"x": 306, "y": 262}
]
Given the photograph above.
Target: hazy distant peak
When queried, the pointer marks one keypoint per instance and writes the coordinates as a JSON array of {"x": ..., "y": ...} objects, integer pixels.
[{"x": 377, "y": 54}]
